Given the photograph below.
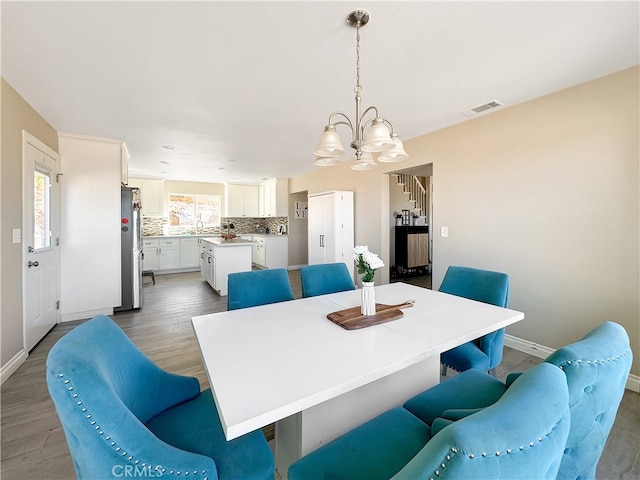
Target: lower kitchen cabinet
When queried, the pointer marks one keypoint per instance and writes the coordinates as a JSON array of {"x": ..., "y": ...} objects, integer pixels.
[
  {"x": 169, "y": 254},
  {"x": 150, "y": 254},
  {"x": 189, "y": 252},
  {"x": 172, "y": 254},
  {"x": 220, "y": 259},
  {"x": 271, "y": 251}
]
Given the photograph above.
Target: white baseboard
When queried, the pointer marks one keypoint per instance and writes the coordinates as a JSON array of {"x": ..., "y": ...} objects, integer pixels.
[
  {"x": 70, "y": 317},
  {"x": 540, "y": 351},
  {"x": 12, "y": 365}
]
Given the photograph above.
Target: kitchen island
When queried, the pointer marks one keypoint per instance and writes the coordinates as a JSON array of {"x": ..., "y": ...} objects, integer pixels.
[{"x": 222, "y": 257}]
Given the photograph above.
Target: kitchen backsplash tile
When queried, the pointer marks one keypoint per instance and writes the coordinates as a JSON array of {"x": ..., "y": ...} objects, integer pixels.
[{"x": 155, "y": 226}]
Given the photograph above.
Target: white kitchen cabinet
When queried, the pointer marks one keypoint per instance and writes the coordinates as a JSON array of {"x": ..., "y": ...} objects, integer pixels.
[
  {"x": 274, "y": 198},
  {"x": 124, "y": 165},
  {"x": 207, "y": 266},
  {"x": 150, "y": 252},
  {"x": 242, "y": 200},
  {"x": 271, "y": 251},
  {"x": 152, "y": 191},
  {"x": 259, "y": 254},
  {"x": 331, "y": 228},
  {"x": 189, "y": 252},
  {"x": 172, "y": 254},
  {"x": 267, "y": 191},
  {"x": 169, "y": 254},
  {"x": 152, "y": 195},
  {"x": 201, "y": 249},
  {"x": 90, "y": 209},
  {"x": 221, "y": 259}
]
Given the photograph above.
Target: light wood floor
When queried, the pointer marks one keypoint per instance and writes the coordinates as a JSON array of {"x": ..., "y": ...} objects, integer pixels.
[{"x": 33, "y": 444}]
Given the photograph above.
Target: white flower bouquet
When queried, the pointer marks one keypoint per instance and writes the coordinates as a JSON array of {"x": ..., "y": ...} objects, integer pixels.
[{"x": 366, "y": 262}]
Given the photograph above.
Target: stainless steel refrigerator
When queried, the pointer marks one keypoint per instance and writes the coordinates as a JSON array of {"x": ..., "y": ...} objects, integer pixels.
[{"x": 131, "y": 238}]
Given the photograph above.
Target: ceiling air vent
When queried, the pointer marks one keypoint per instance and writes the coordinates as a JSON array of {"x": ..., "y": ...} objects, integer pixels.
[{"x": 483, "y": 108}]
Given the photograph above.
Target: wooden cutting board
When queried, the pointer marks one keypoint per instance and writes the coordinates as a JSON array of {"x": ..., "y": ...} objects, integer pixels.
[{"x": 352, "y": 319}]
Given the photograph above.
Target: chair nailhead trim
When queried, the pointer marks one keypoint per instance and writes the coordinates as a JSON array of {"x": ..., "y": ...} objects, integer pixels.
[
  {"x": 596, "y": 361},
  {"x": 112, "y": 443},
  {"x": 484, "y": 454}
]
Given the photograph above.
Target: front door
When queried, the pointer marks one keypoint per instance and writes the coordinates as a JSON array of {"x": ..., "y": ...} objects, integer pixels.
[{"x": 40, "y": 240}]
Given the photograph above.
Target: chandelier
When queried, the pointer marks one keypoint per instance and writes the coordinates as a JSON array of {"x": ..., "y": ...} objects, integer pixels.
[{"x": 367, "y": 136}]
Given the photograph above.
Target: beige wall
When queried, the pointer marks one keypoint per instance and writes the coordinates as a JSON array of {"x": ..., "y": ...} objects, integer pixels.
[
  {"x": 547, "y": 191},
  {"x": 16, "y": 116}
]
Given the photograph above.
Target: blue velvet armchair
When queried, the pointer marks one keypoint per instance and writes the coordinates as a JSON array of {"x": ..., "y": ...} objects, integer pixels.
[
  {"x": 123, "y": 416},
  {"x": 325, "y": 278},
  {"x": 596, "y": 370},
  {"x": 521, "y": 436},
  {"x": 258, "y": 287},
  {"x": 484, "y": 353}
]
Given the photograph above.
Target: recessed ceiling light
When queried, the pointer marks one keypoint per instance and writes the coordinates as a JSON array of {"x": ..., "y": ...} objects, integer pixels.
[
  {"x": 162, "y": 171},
  {"x": 230, "y": 160},
  {"x": 164, "y": 161},
  {"x": 220, "y": 168},
  {"x": 169, "y": 147}
]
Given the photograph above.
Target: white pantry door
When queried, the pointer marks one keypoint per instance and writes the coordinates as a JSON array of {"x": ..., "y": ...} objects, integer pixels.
[{"x": 41, "y": 279}]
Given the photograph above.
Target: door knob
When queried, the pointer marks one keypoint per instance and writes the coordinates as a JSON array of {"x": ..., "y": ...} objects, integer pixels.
[{"x": 32, "y": 264}]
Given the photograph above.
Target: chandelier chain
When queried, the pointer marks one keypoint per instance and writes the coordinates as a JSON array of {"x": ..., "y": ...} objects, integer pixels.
[{"x": 358, "y": 87}]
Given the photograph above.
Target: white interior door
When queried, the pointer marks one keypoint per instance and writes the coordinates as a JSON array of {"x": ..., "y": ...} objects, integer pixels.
[{"x": 40, "y": 237}]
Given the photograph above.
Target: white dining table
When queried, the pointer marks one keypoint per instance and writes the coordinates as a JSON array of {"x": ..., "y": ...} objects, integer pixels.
[{"x": 287, "y": 363}]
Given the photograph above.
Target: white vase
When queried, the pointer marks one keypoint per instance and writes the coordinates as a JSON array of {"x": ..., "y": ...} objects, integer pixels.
[{"x": 368, "y": 306}]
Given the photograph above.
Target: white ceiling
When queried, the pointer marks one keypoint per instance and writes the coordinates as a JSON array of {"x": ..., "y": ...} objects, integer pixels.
[{"x": 243, "y": 89}]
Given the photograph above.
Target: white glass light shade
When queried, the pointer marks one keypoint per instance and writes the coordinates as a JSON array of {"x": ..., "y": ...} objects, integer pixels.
[
  {"x": 396, "y": 154},
  {"x": 326, "y": 161},
  {"x": 365, "y": 163},
  {"x": 330, "y": 144},
  {"x": 377, "y": 137}
]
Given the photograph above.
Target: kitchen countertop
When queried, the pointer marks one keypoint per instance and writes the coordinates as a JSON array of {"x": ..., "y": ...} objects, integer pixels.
[
  {"x": 200, "y": 235},
  {"x": 213, "y": 235},
  {"x": 220, "y": 242},
  {"x": 266, "y": 234}
]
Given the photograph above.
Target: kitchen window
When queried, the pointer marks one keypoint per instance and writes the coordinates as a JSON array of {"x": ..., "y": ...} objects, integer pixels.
[{"x": 186, "y": 209}]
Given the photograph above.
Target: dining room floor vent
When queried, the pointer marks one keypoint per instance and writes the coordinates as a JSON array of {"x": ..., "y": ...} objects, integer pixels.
[{"x": 483, "y": 108}]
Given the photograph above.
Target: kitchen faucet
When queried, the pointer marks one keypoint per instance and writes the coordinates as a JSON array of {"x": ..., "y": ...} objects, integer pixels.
[{"x": 201, "y": 224}]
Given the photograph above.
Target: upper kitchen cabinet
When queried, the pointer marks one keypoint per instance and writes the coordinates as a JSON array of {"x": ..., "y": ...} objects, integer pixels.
[
  {"x": 242, "y": 200},
  {"x": 124, "y": 165},
  {"x": 274, "y": 198},
  {"x": 152, "y": 195},
  {"x": 90, "y": 225}
]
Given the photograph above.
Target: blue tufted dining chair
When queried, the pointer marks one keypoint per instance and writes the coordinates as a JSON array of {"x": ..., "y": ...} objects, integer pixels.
[
  {"x": 258, "y": 287},
  {"x": 521, "y": 436},
  {"x": 124, "y": 417},
  {"x": 596, "y": 370},
  {"x": 484, "y": 353},
  {"x": 325, "y": 278}
]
